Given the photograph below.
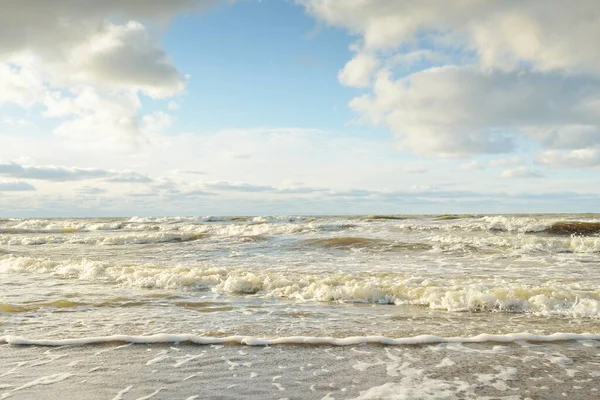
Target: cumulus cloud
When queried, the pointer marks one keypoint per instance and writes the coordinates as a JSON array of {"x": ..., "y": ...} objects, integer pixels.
[
  {"x": 65, "y": 174},
  {"x": 581, "y": 158},
  {"x": 60, "y": 20},
  {"x": 358, "y": 71},
  {"x": 15, "y": 186},
  {"x": 458, "y": 111},
  {"x": 107, "y": 118},
  {"x": 502, "y": 33},
  {"x": 125, "y": 57},
  {"x": 61, "y": 54},
  {"x": 19, "y": 86},
  {"x": 514, "y": 72}
]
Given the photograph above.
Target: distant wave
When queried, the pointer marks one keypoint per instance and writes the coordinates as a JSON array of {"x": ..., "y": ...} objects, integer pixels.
[
  {"x": 574, "y": 228},
  {"x": 302, "y": 340},
  {"x": 386, "y": 217},
  {"x": 355, "y": 242},
  {"x": 110, "y": 240},
  {"x": 243, "y": 226}
]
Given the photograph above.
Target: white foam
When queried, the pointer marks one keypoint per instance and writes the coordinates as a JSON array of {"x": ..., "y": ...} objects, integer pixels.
[
  {"x": 304, "y": 340},
  {"x": 186, "y": 359},
  {"x": 99, "y": 240},
  {"x": 466, "y": 294},
  {"x": 119, "y": 395},
  {"x": 157, "y": 391},
  {"x": 45, "y": 380},
  {"x": 517, "y": 244}
]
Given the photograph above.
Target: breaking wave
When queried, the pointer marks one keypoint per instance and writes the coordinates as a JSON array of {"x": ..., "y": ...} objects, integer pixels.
[
  {"x": 114, "y": 240},
  {"x": 455, "y": 295}
]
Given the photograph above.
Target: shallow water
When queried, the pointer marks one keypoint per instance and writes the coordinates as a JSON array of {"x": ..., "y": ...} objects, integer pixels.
[
  {"x": 303, "y": 277},
  {"x": 184, "y": 371}
]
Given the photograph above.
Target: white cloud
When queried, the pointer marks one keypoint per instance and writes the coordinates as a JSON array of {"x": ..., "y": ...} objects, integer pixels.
[
  {"x": 123, "y": 57},
  {"x": 19, "y": 86},
  {"x": 237, "y": 186},
  {"x": 91, "y": 190},
  {"x": 581, "y": 158},
  {"x": 506, "y": 162},
  {"x": 243, "y": 187},
  {"x": 109, "y": 120},
  {"x": 503, "y": 33},
  {"x": 520, "y": 172},
  {"x": 358, "y": 71},
  {"x": 86, "y": 62},
  {"x": 571, "y": 136},
  {"x": 346, "y": 174},
  {"x": 17, "y": 122},
  {"x": 64, "y": 174},
  {"x": 457, "y": 111},
  {"x": 68, "y": 22},
  {"x": 417, "y": 170},
  {"x": 516, "y": 72},
  {"x": 239, "y": 156},
  {"x": 188, "y": 172},
  {"x": 472, "y": 166},
  {"x": 15, "y": 186}
]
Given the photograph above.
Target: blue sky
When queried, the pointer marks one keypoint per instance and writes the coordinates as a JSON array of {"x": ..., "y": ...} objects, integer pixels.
[
  {"x": 266, "y": 64},
  {"x": 298, "y": 107}
]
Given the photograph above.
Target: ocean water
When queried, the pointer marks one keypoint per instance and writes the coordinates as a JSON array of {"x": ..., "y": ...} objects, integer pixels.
[{"x": 383, "y": 285}]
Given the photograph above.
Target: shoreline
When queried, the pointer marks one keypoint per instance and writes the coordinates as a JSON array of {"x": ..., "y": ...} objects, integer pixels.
[
  {"x": 167, "y": 371},
  {"x": 300, "y": 340}
]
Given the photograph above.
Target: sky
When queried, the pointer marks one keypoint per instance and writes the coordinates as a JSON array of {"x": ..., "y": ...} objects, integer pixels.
[{"x": 275, "y": 107}]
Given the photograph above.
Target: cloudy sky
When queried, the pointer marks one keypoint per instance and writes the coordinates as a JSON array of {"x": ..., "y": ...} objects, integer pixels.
[{"x": 203, "y": 107}]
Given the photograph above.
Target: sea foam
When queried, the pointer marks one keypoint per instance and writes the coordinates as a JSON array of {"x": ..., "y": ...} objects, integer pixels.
[
  {"x": 303, "y": 340},
  {"x": 454, "y": 294}
]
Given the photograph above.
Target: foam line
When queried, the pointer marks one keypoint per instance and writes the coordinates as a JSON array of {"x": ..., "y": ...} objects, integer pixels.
[{"x": 307, "y": 340}]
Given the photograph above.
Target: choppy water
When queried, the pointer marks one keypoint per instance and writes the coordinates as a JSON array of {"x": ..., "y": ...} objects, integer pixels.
[{"x": 276, "y": 277}]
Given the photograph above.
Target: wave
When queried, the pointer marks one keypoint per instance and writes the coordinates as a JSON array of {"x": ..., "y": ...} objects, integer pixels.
[
  {"x": 268, "y": 228},
  {"x": 548, "y": 298},
  {"x": 211, "y": 218},
  {"x": 345, "y": 242},
  {"x": 553, "y": 225},
  {"x": 114, "y": 240},
  {"x": 60, "y": 225},
  {"x": 574, "y": 228},
  {"x": 355, "y": 242},
  {"x": 285, "y": 225},
  {"x": 517, "y": 244},
  {"x": 302, "y": 340},
  {"x": 387, "y": 217},
  {"x": 448, "y": 217},
  {"x": 24, "y": 308}
]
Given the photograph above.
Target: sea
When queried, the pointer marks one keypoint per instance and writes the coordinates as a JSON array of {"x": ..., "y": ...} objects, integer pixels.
[{"x": 301, "y": 307}]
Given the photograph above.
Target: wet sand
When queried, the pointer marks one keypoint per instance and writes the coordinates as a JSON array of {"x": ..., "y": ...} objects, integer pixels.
[{"x": 188, "y": 371}]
